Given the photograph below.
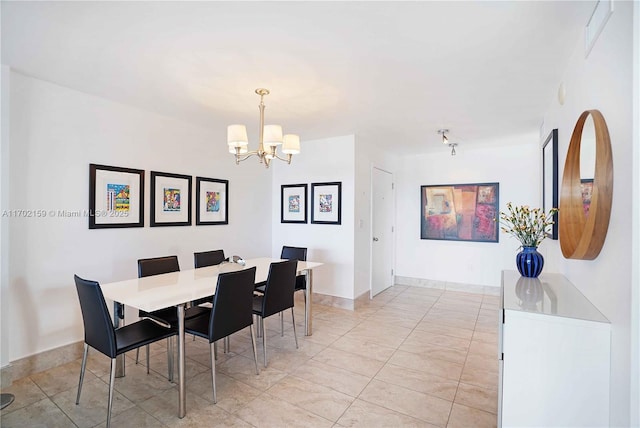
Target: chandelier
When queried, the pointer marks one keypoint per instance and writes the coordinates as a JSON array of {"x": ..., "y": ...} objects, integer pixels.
[{"x": 270, "y": 138}]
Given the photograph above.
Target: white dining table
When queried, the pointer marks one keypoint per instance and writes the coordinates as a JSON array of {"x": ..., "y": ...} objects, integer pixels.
[{"x": 178, "y": 289}]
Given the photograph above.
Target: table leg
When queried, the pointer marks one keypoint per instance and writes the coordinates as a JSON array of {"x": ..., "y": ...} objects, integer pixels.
[
  {"x": 308, "y": 310},
  {"x": 118, "y": 314},
  {"x": 182, "y": 408}
]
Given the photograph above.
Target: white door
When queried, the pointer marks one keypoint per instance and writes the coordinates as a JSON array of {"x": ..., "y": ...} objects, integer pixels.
[{"x": 382, "y": 239}]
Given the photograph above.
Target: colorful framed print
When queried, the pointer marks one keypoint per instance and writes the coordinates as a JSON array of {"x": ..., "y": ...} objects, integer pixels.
[
  {"x": 170, "y": 199},
  {"x": 586, "y": 188},
  {"x": 460, "y": 212},
  {"x": 293, "y": 203},
  {"x": 116, "y": 197},
  {"x": 212, "y": 201},
  {"x": 550, "y": 179},
  {"x": 326, "y": 203}
]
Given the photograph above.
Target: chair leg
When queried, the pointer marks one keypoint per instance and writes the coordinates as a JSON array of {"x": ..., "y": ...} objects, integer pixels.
[
  {"x": 225, "y": 342},
  {"x": 84, "y": 366},
  {"x": 148, "y": 365},
  {"x": 259, "y": 332},
  {"x": 212, "y": 353},
  {"x": 112, "y": 381},
  {"x": 264, "y": 342},
  {"x": 281, "y": 324},
  {"x": 215, "y": 350},
  {"x": 255, "y": 351},
  {"x": 170, "y": 358},
  {"x": 137, "y": 355},
  {"x": 293, "y": 319}
]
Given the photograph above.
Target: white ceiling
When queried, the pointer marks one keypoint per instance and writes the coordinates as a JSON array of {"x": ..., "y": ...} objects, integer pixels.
[{"x": 394, "y": 72}]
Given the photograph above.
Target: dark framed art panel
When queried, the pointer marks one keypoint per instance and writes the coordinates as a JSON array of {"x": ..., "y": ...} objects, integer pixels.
[
  {"x": 326, "y": 203},
  {"x": 293, "y": 203},
  {"x": 460, "y": 212},
  {"x": 550, "y": 179},
  {"x": 170, "y": 199},
  {"x": 116, "y": 197},
  {"x": 212, "y": 201}
]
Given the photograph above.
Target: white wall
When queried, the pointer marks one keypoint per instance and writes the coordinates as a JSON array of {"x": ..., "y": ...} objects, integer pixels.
[
  {"x": 55, "y": 134},
  {"x": 4, "y": 221},
  {"x": 604, "y": 81},
  {"x": 325, "y": 160},
  {"x": 514, "y": 165},
  {"x": 635, "y": 226}
]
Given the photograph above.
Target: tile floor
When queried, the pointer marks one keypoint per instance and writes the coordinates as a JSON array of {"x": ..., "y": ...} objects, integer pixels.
[{"x": 410, "y": 357}]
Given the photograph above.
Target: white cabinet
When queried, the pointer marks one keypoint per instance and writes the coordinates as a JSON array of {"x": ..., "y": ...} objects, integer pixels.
[{"x": 554, "y": 351}]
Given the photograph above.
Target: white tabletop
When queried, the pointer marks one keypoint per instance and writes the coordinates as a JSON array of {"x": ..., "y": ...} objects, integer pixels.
[{"x": 170, "y": 289}]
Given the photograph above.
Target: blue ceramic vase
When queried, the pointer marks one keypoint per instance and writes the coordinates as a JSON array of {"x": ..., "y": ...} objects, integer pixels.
[{"x": 529, "y": 262}]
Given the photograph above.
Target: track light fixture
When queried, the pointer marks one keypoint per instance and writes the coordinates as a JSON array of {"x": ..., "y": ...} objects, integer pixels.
[{"x": 445, "y": 140}]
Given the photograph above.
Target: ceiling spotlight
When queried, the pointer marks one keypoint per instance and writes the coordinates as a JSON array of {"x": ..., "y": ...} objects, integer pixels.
[
  {"x": 443, "y": 132},
  {"x": 445, "y": 140}
]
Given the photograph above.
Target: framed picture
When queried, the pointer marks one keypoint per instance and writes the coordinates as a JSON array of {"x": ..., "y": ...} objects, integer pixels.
[
  {"x": 212, "y": 201},
  {"x": 116, "y": 197},
  {"x": 460, "y": 212},
  {"x": 586, "y": 187},
  {"x": 326, "y": 203},
  {"x": 550, "y": 179},
  {"x": 170, "y": 199},
  {"x": 293, "y": 203}
]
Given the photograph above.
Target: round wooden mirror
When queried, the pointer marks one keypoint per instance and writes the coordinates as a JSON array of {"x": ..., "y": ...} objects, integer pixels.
[{"x": 585, "y": 204}]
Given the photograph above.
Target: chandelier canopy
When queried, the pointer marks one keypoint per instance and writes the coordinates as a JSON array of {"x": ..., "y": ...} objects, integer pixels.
[{"x": 270, "y": 138}]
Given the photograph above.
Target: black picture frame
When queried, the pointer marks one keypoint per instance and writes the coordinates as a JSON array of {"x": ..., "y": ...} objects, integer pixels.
[
  {"x": 446, "y": 213},
  {"x": 212, "y": 201},
  {"x": 106, "y": 209},
  {"x": 293, "y": 203},
  {"x": 326, "y": 203},
  {"x": 550, "y": 179},
  {"x": 170, "y": 206}
]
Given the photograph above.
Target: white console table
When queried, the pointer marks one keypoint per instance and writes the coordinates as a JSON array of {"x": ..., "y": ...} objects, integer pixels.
[{"x": 554, "y": 350}]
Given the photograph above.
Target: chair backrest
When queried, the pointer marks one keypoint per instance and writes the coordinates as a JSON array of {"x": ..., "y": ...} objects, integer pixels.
[
  {"x": 232, "y": 304},
  {"x": 157, "y": 266},
  {"x": 208, "y": 258},
  {"x": 294, "y": 253},
  {"x": 98, "y": 329},
  {"x": 278, "y": 292}
]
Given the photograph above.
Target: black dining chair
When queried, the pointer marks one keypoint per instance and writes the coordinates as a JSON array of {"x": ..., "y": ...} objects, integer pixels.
[
  {"x": 168, "y": 316},
  {"x": 277, "y": 297},
  {"x": 100, "y": 334},
  {"x": 205, "y": 259},
  {"x": 231, "y": 312},
  {"x": 291, "y": 253},
  {"x": 296, "y": 253}
]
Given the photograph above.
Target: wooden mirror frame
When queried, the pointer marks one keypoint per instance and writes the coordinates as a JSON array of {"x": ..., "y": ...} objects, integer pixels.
[{"x": 582, "y": 237}]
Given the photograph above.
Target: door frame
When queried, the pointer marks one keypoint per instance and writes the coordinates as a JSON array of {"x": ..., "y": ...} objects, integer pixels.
[{"x": 393, "y": 225}]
